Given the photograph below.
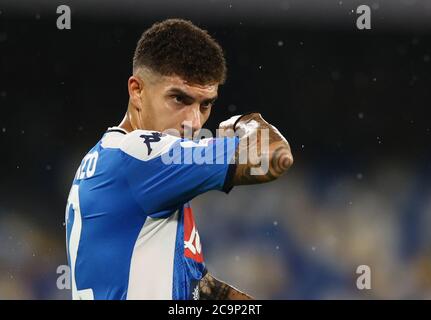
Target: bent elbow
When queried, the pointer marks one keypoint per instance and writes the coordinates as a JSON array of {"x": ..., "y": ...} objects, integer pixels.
[
  {"x": 285, "y": 160},
  {"x": 282, "y": 160},
  {"x": 289, "y": 160}
]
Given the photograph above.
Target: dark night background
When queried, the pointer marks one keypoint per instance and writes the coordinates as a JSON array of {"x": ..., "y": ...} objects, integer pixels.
[{"x": 349, "y": 101}]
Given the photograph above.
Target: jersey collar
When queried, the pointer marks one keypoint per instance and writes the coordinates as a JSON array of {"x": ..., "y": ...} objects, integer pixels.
[{"x": 116, "y": 129}]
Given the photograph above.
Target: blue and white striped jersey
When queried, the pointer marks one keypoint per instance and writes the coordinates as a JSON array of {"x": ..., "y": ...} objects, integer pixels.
[{"x": 130, "y": 229}]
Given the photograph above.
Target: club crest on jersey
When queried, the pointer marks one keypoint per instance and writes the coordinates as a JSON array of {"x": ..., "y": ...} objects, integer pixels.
[{"x": 192, "y": 242}]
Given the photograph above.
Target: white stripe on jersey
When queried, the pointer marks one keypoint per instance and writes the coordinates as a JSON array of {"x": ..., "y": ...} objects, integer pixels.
[{"x": 152, "y": 264}]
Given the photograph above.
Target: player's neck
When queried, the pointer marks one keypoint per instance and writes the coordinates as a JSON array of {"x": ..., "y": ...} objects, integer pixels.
[{"x": 125, "y": 124}]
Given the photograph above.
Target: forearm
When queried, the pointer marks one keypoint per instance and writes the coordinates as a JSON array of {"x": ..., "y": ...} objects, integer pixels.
[{"x": 212, "y": 289}]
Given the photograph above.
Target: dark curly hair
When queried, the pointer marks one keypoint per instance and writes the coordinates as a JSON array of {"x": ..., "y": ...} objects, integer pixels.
[{"x": 178, "y": 47}]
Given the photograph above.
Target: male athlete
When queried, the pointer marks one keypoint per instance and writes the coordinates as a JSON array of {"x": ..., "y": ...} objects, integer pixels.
[{"x": 130, "y": 229}]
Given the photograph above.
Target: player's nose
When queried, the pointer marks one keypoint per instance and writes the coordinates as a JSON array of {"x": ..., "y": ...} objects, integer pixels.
[{"x": 193, "y": 119}]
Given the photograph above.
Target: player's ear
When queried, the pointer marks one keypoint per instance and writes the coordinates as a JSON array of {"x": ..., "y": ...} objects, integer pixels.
[{"x": 135, "y": 87}]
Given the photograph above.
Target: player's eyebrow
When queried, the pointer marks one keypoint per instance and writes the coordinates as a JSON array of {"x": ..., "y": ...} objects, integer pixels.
[
  {"x": 210, "y": 100},
  {"x": 185, "y": 95},
  {"x": 177, "y": 91}
]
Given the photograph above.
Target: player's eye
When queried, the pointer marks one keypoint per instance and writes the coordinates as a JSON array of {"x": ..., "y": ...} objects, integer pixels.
[
  {"x": 182, "y": 99},
  {"x": 178, "y": 99},
  {"x": 207, "y": 104}
]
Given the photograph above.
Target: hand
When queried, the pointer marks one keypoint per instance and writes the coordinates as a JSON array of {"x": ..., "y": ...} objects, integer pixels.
[
  {"x": 226, "y": 128},
  {"x": 234, "y": 125},
  {"x": 263, "y": 154}
]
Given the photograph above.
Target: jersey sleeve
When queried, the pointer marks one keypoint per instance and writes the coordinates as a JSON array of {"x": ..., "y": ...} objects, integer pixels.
[{"x": 163, "y": 171}]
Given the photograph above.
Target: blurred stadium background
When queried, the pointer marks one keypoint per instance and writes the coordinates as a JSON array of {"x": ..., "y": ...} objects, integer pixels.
[{"x": 353, "y": 104}]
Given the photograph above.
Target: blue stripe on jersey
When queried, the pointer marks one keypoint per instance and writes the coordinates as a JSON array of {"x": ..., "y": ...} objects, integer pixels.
[{"x": 111, "y": 221}]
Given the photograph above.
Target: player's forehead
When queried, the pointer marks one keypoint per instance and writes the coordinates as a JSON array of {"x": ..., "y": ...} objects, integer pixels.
[{"x": 197, "y": 91}]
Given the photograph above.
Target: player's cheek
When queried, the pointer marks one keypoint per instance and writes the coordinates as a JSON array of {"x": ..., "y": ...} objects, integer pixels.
[{"x": 205, "y": 115}]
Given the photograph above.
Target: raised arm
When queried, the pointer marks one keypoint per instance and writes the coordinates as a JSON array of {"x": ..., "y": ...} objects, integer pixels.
[
  {"x": 263, "y": 154},
  {"x": 211, "y": 288}
]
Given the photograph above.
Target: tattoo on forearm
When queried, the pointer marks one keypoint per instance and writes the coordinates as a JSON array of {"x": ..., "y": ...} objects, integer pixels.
[{"x": 213, "y": 289}]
